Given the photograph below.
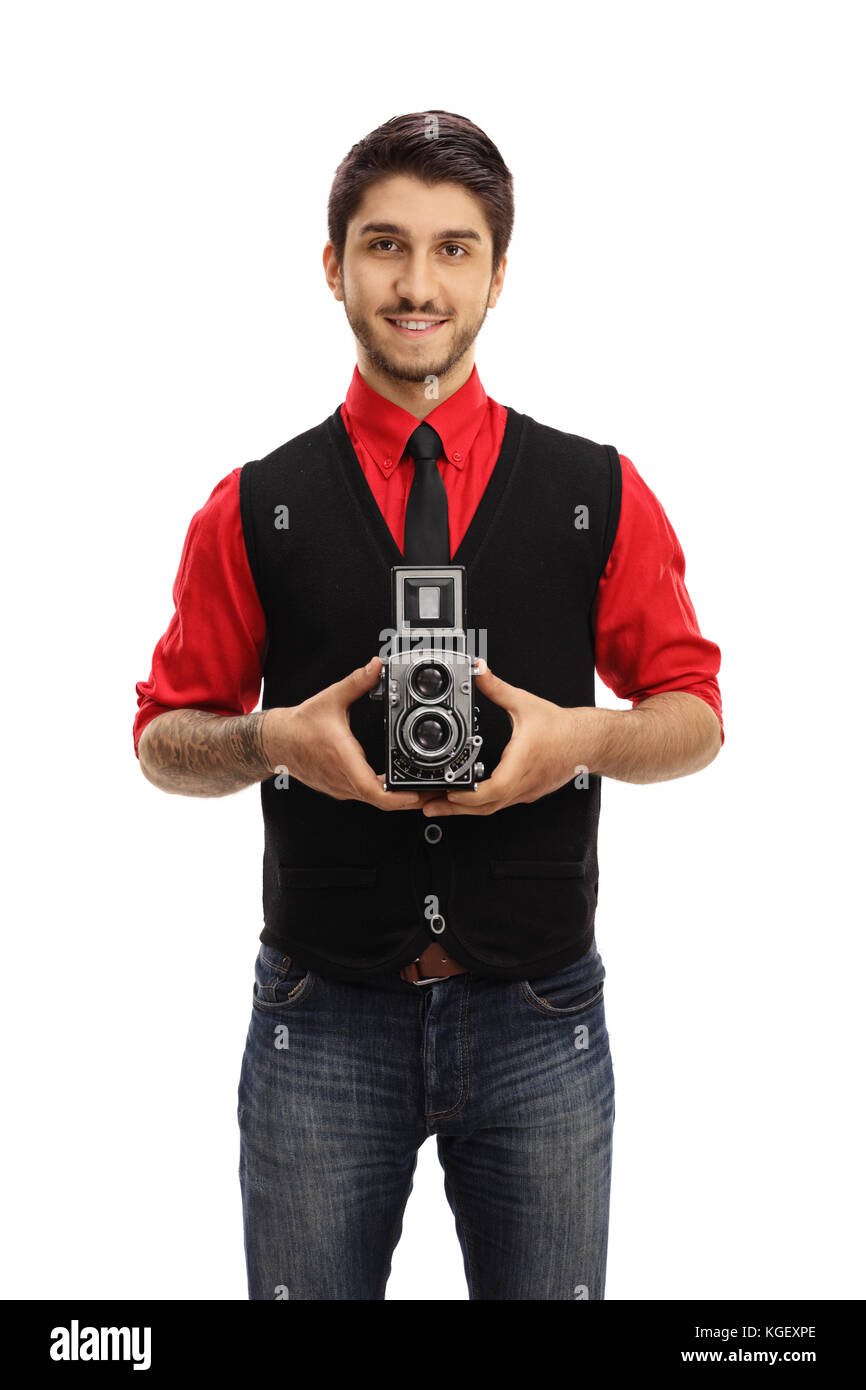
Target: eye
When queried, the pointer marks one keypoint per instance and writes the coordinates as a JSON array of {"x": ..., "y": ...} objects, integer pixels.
[{"x": 449, "y": 246}]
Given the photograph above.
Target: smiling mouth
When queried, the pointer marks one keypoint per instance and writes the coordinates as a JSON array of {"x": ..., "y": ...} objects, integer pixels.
[{"x": 416, "y": 328}]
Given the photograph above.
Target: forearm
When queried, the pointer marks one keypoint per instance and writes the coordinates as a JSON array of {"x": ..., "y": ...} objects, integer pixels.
[
  {"x": 193, "y": 752},
  {"x": 665, "y": 736}
]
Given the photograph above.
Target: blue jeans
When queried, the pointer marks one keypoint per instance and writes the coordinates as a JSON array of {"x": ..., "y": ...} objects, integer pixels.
[{"x": 342, "y": 1083}]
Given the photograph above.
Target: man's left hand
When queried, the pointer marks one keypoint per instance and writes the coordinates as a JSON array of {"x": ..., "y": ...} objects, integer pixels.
[{"x": 537, "y": 759}]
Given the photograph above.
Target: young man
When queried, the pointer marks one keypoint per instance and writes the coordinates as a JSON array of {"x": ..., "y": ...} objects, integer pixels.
[{"x": 377, "y": 1022}]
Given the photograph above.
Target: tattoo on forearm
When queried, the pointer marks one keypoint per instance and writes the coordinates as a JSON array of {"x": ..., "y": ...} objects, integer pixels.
[{"x": 198, "y": 753}]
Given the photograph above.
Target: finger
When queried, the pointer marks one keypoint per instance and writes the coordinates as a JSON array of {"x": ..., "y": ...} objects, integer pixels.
[
  {"x": 457, "y": 808},
  {"x": 362, "y": 679},
  {"x": 420, "y": 797},
  {"x": 491, "y": 796},
  {"x": 497, "y": 792},
  {"x": 496, "y": 689},
  {"x": 369, "y": 787}
]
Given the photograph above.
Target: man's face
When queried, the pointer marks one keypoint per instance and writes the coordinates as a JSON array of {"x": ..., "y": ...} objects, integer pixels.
[{"x": 417, "y": 252}]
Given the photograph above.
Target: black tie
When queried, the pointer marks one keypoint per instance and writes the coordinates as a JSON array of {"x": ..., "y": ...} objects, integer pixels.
[{"x": 425, "y": 536}]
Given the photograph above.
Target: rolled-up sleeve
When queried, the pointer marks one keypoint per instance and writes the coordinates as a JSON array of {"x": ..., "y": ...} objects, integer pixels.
[
  {"x": 210, "y": 656},
  {"x": 647, "y": 636}
]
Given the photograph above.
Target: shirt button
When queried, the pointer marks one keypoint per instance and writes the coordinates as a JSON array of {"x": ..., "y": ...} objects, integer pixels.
[
  {"x": 432, "y": 834},
  {"x": 456, "y": 457}
]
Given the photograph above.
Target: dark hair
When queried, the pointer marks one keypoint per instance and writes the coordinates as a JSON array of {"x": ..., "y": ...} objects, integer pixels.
[{"x": 447, "y": 149}]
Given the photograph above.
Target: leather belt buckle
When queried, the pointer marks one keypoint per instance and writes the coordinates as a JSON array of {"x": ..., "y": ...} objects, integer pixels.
[
  {"x": 417, "y": 978},
  {"x": 429, "y": 958}
]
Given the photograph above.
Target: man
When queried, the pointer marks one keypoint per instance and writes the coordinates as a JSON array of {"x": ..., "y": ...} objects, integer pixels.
[{"x": 377, "y": 1022}]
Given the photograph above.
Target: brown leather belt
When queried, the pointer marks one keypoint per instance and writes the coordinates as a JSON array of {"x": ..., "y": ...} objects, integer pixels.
[{"x": 432, "y": 964}]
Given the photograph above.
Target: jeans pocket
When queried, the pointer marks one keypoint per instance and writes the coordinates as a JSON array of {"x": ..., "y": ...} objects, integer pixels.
[
  {"x": 575, "y": 989},
  {"x": 279, "y": 982}
]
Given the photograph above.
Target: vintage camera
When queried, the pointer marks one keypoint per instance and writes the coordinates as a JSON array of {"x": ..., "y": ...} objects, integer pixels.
[{"x": 427, "y": 683}]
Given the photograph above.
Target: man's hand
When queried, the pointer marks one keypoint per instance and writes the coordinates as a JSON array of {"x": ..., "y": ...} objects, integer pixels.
[
  {"x": 314, "y": 740},
  {"x": 536, "y": 760}
]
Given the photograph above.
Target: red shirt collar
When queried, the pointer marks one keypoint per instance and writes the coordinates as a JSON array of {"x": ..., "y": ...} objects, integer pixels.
[{"x": 385, "y": 428}]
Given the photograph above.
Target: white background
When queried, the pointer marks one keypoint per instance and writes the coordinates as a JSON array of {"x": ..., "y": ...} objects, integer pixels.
[{"x": 685, "y": 282}]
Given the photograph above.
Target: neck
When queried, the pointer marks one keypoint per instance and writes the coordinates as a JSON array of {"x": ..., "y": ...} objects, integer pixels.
[{"x": 411, "y": 395}]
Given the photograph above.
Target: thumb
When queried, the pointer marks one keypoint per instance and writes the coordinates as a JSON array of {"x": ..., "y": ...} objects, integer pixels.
[
  {"x": 497, "y": 690},
  {"x": 362, "y": 678}
]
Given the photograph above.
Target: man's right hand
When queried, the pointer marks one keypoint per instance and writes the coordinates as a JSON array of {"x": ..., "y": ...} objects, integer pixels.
[{"x": 315, "y": 742}]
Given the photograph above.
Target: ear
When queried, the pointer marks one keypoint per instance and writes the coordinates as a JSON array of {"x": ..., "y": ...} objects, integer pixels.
[{"x": 333, "y": 273}]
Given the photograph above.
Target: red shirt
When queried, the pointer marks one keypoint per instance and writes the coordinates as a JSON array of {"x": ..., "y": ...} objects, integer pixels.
[{"x": 647, "y": 637}]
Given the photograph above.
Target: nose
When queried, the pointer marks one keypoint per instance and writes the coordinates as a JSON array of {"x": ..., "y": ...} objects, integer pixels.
[{"x": 416, "y": 283}]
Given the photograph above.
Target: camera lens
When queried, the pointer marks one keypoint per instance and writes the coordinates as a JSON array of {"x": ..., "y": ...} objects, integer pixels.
[
  {"x": 430, "y": 680},
  {"x": 430, "y": 736},
  {"x": 431, "y": 733}
]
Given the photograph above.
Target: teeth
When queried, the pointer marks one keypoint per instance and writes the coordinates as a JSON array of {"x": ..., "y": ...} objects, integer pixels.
[{"x": 414, "y": 324}]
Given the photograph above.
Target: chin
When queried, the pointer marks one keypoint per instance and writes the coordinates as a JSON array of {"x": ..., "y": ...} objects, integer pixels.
[{"x": 412, "y": 370}]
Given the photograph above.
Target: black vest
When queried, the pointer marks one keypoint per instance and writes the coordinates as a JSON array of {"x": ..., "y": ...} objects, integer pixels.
[{"x": 345, "y": 884}]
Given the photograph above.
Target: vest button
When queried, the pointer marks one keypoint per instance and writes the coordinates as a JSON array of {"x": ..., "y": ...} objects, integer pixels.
[{"x": 432, "y": 834}]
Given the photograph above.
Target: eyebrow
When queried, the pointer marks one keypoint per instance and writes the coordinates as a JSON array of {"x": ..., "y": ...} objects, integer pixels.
[{"x": 394, "y": 229}]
